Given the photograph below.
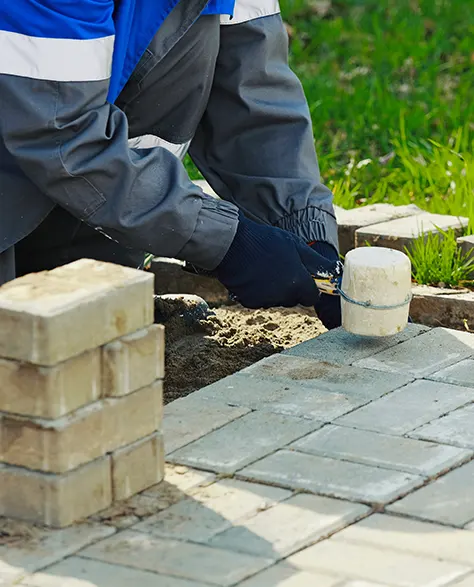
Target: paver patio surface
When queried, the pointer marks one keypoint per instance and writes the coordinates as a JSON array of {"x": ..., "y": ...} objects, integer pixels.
[{"x": 344, "y": 462}]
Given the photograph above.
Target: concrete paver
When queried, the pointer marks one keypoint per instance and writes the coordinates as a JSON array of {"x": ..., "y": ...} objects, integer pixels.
[
  {"x": 448, "y": 500},
  {"x": 180, "y": 559},
  {"x": 401, "y": 233},
  {"x": 461, "y": 373},
  {"x": 183, "y": 478},
  {"x": 188, "y": 418},
  {"x": 332, "y": 477},
  {"x": 243, "y": 441},
  {"x": 381, "y": 450},
  {"x": 80, "y": 572},
  {"x": 349, "y": 221},
  {"x": 289, "y": 526},
  {"x": 408, "y": 408},
  {"x": 366, "y": 562},
  {"x": 211, "y": 510},
  {"x": 456, "y": 428},
  {"x": 361, "y": 383},
  {"x": 413, "y": 537},
  {"x": 284, "y": 397},
  {"x": 48, "y": 547},
  {"x": 285, "y": 575},
  {"x": 466, "y": 582},
  {"x": 423, "y": 355},
  {"x": 342, "y": 348}
]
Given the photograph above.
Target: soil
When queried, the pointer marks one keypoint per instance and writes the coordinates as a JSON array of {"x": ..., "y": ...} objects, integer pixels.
[{"x": 229, "y": 341}]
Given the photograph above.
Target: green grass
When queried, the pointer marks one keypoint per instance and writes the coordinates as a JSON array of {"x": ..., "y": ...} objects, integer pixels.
[
  {"x": 437, "y": 260},
  {"x": 390, "y": 87}
]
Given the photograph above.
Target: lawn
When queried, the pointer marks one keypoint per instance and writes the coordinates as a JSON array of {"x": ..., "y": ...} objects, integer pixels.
[{"x": 390, "y": 85}]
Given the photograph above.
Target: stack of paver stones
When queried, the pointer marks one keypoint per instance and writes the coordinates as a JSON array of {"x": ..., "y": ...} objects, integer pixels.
[
  {"x": 80, "y": 391},
  {"x": 343, "y": 462}
]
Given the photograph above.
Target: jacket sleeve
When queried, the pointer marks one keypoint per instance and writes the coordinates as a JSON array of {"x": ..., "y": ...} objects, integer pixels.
[
  {"x": 55, "y": 120},
  {"x": 255, "y": 143}
]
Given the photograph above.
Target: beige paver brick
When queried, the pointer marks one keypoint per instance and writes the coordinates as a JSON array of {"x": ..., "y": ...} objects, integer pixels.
[
  {"x": 212, "y": 509},
  {"x": 413, "y": 537},
  {"x": 48, "y": 317},
  {"x": 137, "y": 466},
  {"x": 181, "y": 559},
  {"x": 133, "y": 361},
  {"x": 134, "y": 416},
  {"x": 50, "y": 392},
  {"x": 55, "y": 500},
  {"x": 289, "y": 526},
  {"x": 364, "y": 562},
  {"x": 61, "y": 445},
  {"x": 80, "y": 572},
  {"x": 285, "y": 575}
]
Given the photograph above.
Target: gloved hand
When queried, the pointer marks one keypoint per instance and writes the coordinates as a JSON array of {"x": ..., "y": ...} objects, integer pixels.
[
  {"x": 266, "y": 267},
  {"x": 328, "y": 307}
]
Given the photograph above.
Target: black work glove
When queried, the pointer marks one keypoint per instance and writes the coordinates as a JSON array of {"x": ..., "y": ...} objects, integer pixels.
[
  {"x": 266, "y": 267},
  {"x": 328, "y": 307}
]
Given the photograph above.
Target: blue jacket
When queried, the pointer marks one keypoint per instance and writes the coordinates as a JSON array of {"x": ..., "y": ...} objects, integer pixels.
[{"x": 133, "y": 22}]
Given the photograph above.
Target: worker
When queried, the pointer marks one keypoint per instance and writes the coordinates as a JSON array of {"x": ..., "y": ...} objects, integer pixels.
[{"x": 100, "y": 100}]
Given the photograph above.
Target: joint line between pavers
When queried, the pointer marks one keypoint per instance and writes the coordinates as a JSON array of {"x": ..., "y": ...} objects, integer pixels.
[
  {"x": 207, "y": 433},
  {"x": 240, "y": 477},
  {"x": 416, "y": 518},
  {"x": 75, "y": 552},
  {"x": 312, "y": 543},
  {"x": 386, "y": 349},
  {"x": 166, "y": 575},
  {"x": 469, "y": 403}
]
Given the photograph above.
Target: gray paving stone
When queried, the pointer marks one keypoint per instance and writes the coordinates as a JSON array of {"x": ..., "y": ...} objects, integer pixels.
[
  {"x": 342, "y": 348},
  {"x": 381, "y": 450},
  {"x": 80, "y": 572},
  {"x": 349, "y": 221},
  {"x": 283, "y": 397},
  {"x": 408, "y": 408},
  {"x": 332, "y": 477},
  {"x": 289, "y": 526},
  {"x": 456, "y": 428},
  {"x": 448, "y": 500},
  {"x": 48, "y": 547},
  {"x": 369, "y": 563},
  {"x": 459, "y": 374},
  {"x": 363, "y": 383},
  {"x": 188, "y": 418},
  {"x": 194, "y": 562},
  {"x": 182, "y": 478},
  {"x": 425, "y": 354},
  {"x": 211, "y": 510},
  {"x": 285, "y": 575},
  {"x": 400, "y": 233},
  {"x": 413, "y": 537},
  {"x": 243, "y": 441}
]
